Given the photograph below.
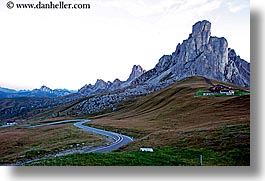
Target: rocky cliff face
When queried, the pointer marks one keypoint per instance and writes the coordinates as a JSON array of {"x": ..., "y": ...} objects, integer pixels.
[
  {"x": 237, "y": 70},
  {"x": 137, "y": 71},
  {"x": 200, "y": 55}
]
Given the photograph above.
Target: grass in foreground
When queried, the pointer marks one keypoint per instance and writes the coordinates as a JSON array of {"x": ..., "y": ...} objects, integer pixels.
[
  {"x": 161, "y": 157},
  {"x": 21, "y": 143},
  {"x": 223, "y": 146}
]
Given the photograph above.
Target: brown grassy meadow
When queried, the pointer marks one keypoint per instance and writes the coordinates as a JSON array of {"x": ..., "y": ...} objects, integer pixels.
[
  {"x": 175, "y": 118},
  {"x": 21, "y": 143}
]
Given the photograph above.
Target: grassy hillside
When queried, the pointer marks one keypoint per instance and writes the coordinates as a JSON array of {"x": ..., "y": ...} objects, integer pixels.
[
  {"x": 176, "y": 107},
  {"x": 179, "y": 126},
  {"x": 21, "y": 143}
]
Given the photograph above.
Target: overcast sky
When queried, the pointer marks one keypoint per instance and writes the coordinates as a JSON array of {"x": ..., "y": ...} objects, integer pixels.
[{"x": 71, "y": 48}]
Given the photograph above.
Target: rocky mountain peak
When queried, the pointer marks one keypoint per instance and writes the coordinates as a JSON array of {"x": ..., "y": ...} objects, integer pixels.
[
  {"x": 199, "y": 55},
  {"x": 100, "y": 81},
  {"x": 200, "y": 27},
  {"x": 201, "y": 32},
  {"x": 115, "y": 85},
  {"x": 45, "y": 89},
  {"x": 100, "y": 84},
  {"x": 137, "y": 71},
  {"x": 116, "y": 81}
]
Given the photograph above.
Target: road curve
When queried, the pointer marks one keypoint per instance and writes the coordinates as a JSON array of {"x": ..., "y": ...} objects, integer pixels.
[{"x": 119, "y": 139}]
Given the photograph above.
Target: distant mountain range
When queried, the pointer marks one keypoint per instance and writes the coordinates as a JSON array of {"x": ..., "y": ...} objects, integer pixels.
[
  {"x": 99, "y": 87},
  {"x": 44, "y": 91}
]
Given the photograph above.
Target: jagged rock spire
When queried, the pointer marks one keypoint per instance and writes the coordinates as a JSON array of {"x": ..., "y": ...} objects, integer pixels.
[
  {"x": 137, "y": 71},
  {"x": 201, "y": 32}
]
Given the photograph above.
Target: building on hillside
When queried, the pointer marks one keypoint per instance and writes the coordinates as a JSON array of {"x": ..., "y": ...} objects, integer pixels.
[
  {"x": 147, "y": 149},
  {"x": 227, "y": 92},
  {"x": 11, "y": 123},
  {"x": 219, "y": 89},
  {"x": 207, "y": 93}
]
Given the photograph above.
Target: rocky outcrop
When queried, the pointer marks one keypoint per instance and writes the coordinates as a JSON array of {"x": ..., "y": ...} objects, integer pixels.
[
  {"x": 237, "y": 71},
  {"x": 115, "y": 85},
  {"x": 45, "y": 89},
  {"x": 102, "y": 87},
  {"x": 137, "y": 71},
  {"x": 200, "y": 55}
]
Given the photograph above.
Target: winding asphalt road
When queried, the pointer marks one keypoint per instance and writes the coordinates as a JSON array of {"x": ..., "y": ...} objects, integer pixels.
[{"x": 118, "y": 140}]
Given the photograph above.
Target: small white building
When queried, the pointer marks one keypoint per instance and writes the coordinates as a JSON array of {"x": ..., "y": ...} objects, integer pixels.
[
  {"x": 207, "y": 94},
  {"x": 147, "y": 149},
  {"x": 228, "y": 93},
  {"x": 11, "y": 123}
]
